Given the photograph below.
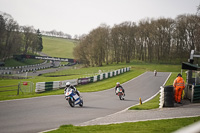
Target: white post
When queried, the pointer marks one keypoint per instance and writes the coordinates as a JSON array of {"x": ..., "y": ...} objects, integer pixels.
[
  {"x": 161, "y": 97},
  {"x": 26, "y": 75},
  {"x": 192, "y": 94}
]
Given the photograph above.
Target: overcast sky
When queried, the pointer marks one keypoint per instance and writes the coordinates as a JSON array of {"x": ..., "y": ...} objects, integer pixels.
[{"x": 81, "y": 16}]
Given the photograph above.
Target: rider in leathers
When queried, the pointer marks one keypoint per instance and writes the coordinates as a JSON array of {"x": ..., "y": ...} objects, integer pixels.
[
  {"x": 118, "y": 85},
  {"x": 68, "y": 85}
]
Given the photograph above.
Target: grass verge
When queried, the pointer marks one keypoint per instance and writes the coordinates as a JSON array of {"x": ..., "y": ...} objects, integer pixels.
[{"x": 154, "y": 126}]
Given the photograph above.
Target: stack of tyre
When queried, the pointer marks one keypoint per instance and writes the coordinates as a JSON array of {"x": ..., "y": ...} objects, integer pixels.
[{"x": 169, "y": 96}]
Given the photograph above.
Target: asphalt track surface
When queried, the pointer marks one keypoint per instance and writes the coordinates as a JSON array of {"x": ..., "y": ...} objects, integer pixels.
[{"x": 49, "y": 112}]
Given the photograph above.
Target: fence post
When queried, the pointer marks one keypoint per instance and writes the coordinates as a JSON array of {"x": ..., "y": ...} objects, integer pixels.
[{"x": 18, "y": 89}]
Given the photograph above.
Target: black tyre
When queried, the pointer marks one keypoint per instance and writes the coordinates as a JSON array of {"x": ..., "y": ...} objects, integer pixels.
[
  {"x": 169, "y": 88},
  {"x": 120, "y": 96},
  {"x": 81, "y": 104},
  {"x": 169, "y": 94},
  {"x": 169, "y": 104},
  {"x": 71, "y": 103}
]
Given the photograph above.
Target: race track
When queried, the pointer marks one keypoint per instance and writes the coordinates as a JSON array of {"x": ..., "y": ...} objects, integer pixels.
[{"x": 43, "y": 113}]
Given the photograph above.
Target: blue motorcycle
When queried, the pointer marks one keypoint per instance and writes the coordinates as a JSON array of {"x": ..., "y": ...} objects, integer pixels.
[{"x": 73, "y": 98}]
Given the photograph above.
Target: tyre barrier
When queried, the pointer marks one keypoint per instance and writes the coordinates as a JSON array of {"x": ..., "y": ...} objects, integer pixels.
[
  {"x": 6, "y": 73},
  {"x": 46, "y": 86},
  {"x": 169, "y": 88},
  {"x": 161, "y": 101},
  {"x": 167, "y": 96}
]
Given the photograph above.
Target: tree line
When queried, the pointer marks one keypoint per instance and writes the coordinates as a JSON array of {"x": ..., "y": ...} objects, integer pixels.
[
  {"x": 162, "y": 40},
  {"x": 16, "y": 39},
  {"x": 55, "y": 33}
]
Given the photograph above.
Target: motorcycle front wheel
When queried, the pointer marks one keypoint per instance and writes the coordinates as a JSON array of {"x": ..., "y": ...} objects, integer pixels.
[
  {"x": 120, "y": 96},
  {"x": 71, "y": 102},
  {"x": 81, "y": 104}
]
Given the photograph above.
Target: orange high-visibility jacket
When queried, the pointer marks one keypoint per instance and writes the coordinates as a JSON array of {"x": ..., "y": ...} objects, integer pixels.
[{"x": 179, "y": 83}]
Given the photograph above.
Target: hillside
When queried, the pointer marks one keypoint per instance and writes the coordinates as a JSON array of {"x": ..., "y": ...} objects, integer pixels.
[{"x": 58, "y": 47}]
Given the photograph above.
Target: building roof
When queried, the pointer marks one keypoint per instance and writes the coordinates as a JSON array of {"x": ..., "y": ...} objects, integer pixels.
[{"x": 189, "y": 66}]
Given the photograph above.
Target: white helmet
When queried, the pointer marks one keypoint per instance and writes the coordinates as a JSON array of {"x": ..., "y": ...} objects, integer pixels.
[
  {"x": 118, "y": 83},
  {"x": 67, "y": 84}
]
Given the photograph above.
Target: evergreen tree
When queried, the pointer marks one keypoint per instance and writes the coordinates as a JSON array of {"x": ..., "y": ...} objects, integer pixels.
[{"x": 40, "y": 45}]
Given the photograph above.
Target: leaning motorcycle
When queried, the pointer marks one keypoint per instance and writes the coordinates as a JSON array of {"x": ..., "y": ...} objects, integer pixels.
[
  {"x": 120, "y": 93},
  {"x": 73, "y": 98}
]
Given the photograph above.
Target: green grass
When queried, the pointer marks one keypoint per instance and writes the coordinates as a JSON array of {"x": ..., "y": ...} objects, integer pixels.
[
  {"x": 152, "y": 104},
  {"x": 154, "y": 126},
  {"x": 58, "y": 47}
]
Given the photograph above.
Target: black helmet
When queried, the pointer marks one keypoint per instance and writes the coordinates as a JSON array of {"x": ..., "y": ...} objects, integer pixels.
[{"x": 179, "y": 75}]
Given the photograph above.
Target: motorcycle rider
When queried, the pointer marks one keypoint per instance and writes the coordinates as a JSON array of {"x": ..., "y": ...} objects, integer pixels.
[
  {"x": 119, "y": 86},
  {"x": 155, "y": 72},
  {"x": 68, "y": 85}
]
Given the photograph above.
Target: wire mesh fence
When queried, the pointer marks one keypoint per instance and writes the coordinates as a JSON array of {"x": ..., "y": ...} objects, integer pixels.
[{"x": 22, "y": 88}]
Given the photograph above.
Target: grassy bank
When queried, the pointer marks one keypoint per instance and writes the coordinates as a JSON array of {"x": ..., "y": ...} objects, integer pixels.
[
  {"x": 58, "y": 47},
  {"x": 154, "y": 126}
]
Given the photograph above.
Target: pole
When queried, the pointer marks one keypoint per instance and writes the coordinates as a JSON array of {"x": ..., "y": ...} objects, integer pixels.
[{"x": 18, "y": 89}]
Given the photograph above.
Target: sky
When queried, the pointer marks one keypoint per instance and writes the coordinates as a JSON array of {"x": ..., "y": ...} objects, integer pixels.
[{"x": 77, "y": 17}]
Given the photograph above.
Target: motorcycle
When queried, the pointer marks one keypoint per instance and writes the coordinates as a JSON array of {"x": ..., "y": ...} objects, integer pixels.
[
  {"x": 120, "y": 93},
  {"x": 73, "y": 98}
]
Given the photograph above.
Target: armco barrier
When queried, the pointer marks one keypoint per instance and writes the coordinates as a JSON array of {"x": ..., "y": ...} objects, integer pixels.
[{"x": 46, "y": 86}]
